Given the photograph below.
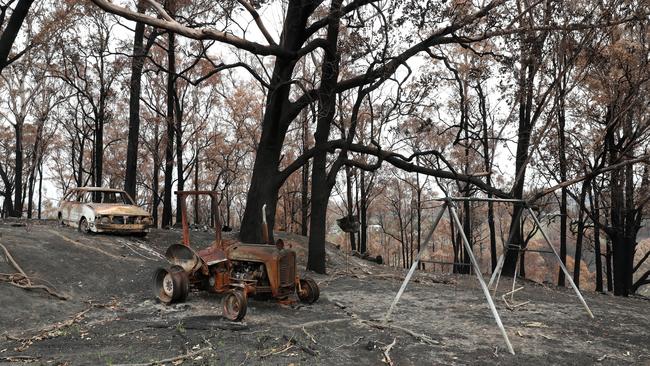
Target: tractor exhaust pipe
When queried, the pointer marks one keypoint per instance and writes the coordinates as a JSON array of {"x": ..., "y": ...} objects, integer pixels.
[{"x": 266, "y": 236}]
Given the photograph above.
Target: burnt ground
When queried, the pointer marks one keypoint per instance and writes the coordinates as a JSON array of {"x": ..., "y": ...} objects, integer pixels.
[{"x": 110, "y": 316}]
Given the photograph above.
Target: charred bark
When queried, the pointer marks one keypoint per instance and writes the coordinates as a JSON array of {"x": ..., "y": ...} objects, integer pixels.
[
  {"x": 10, "y": 32},
  {"x": 169, "y": 141},
  {"x": 595, "y": 204},
  {"x": 321, "y": 187},
  {"x": 137, "y": 64},
  {"x": 264, "y": 185},
  {"x": 580, "y": 233},
  {"x": 348, "y": 187},
  {"x": 18, "y": 177}
]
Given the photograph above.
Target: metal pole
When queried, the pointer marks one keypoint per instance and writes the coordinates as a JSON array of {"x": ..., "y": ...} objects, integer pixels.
[
  {"x": 415, "y": 264},
  {"x": 502, "y": 259},
  {"x": 479, "y": 199},
  {"x": 566, "y": 272},
  {"x": 477, "y": 269},
  {"x": 497, "y": 270}
]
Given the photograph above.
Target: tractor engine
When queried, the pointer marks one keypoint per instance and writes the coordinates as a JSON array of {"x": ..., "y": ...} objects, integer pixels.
[{"x": 249, "y": 271}]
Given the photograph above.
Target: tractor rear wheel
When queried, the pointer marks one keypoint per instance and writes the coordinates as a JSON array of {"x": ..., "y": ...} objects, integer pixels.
[
  {"x": 170, "y": 285},
  {"x": 234, "y": 305},
  {"x": 309, "y": 291}
]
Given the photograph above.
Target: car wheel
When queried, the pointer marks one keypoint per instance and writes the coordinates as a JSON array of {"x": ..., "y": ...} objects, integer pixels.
[{"x": 83, "y": 226}]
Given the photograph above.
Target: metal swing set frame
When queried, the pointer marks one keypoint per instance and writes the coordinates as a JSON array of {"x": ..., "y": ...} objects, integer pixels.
[{"x": 448, "y": 205}]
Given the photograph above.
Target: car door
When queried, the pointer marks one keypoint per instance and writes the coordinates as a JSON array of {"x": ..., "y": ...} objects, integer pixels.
[
  {"x": 76, "y": 205},
  {"x": 66, "y": 205}
]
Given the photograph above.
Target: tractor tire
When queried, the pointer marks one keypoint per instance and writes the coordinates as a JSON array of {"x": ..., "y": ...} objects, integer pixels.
[
  {"x": 170, "y": 286},
  {"x": 234, "y": 305},
  {"x": 310, "y": 291}
]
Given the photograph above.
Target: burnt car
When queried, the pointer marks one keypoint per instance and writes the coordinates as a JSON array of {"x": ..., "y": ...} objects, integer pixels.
[{"x": 101, "y": 210}]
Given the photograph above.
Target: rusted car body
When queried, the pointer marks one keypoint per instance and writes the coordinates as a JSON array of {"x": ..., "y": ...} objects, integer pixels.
[
  {"x": 235, "y": 269},
  {"x": 100, "y": 210}
]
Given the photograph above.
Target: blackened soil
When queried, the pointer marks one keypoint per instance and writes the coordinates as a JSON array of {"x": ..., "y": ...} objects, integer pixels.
[{"x": 109, "y": 277}]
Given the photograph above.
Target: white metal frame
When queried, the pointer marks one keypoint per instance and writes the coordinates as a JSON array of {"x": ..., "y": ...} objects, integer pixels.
[{"x": 449, "y": 203}]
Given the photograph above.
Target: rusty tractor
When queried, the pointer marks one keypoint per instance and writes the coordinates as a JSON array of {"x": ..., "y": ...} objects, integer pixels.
[{"x": 236, "y": 270}]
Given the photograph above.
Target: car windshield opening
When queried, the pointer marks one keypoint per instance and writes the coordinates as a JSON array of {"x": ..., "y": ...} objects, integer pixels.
[{"x": 111, "y": 197}]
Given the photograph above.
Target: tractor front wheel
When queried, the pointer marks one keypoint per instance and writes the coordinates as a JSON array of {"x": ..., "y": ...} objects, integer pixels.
[
  {"x": 309, "y": 291},
  {"x": 234, "y": 305}
]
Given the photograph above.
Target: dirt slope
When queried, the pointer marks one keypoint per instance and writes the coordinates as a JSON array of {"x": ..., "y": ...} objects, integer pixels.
[{"x": 442, "y": 319}]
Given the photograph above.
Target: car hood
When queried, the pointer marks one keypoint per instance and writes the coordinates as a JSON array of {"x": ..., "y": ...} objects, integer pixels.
[{"x": 110, "y": 209}]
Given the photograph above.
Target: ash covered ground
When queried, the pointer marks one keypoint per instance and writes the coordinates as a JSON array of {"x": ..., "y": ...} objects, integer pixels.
[{"x": 110, "y": 316}]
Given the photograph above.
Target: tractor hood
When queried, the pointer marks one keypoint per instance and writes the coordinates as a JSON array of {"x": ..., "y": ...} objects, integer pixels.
[{"x": 111, "y": 209}]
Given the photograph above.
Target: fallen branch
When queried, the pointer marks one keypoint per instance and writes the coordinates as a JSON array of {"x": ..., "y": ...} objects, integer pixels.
[
  {"x": 419, "y": 336},
  {"x": 309, "y": 335},
  {"x": 386, "y": 352},
  {"x": 21, "y": 280},
  {"x": 317, "y": 322},
  {"x": 19, "y": 359},
  {"x": 274, "y": 351},
  {"x": 348, "y": 345},
  {"x": 169, "y": 360},
  {"x": 52, "y": 331}
]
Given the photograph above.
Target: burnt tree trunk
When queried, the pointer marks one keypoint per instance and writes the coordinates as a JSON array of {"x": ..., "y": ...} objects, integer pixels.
[
  {"x": 487, "y": 161},
  {"x": 594, "y": 202},
  {"x": 169, "y": 141},
  {"x": 363, "y": 213},
  {"x": 196, "y": 188},
  {"x": 36, "y": 158},
  {"x": 11, "y": 31},
  {"x": 419, "y": 213},
  {"x": 18, "y": 178},
  {"x": 7, "y": 205},
  {"x": 616, "y": 232},
  {"x": 304, "y": 200},
  {"x": 348, "y": 187},
  {"x": 155, "y": 185},
  {"x": 40, "y": 187},
  {"x": 608, "y": 265},
  {"x": 180, "y": 183},
  {"x": 580, "y": 234},
  {"x": 264, "y": 185},
  {"x": 137, "y": 64},
  {"x": 100, "y": 119},
  {"x": 526, "y": 92},
  {"x": 563, "y": 177},
  {"x": 321, "y": 186},
  {"x": 467, "y": 229}
]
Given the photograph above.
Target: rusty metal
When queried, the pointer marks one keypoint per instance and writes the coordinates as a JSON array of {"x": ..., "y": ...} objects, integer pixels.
[
  {"x": 266, "y": 236},
  {"x": 235, "y": 269},
  {"x": 215, "y": 212}
]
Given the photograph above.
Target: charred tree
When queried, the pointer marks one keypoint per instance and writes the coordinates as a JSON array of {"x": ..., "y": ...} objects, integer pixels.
[
  {"x": 321, "y": 185},
  {"x": 348, "y": 188},
  {"x": 274, "y": 126},
  {"x": 580, "y": 233},
  {"x": 18, "y": 177},
  {"x": 595, "y": 204},
  {"x": 10, "y": 32},
  {"x": 137, "y": 65},
  {"x": 169, "y": 140},
  {"x": 561, "y": 123}
]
